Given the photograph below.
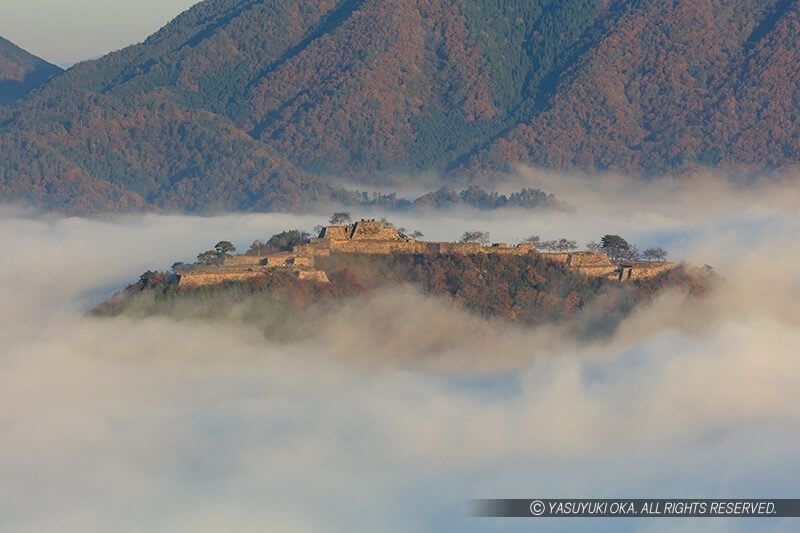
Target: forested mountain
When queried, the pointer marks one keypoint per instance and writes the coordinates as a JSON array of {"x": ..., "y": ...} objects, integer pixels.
[
  {"x": 21, "y": 72},
  {"x": 254, "y": 104},
  {"x": 675, "y": 85}
]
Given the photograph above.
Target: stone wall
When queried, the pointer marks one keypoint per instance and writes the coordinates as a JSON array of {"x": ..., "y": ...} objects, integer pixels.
[
  {"x": 278, "y": 259},
  {"x": 301, "y": 261},
  {"x": 340, "y": 233},
  {"x": 644, "y": 270},
  {"x": 202, "y": 279},
  {"x": 579, "y": 259},
  {"x": 558, "y": 257},
  {"x": 312, "y": 275},
  {"x": 599, "y": 265},
  {"x": 374, "y": 230},
  {"x": 378, "y": 247},
  {"x": 244, "y": 260},
  {"x": 374, "y": 237},
  {"x": 363, "y": 230},
  {"x": 596, "y": 264},
  {"x": 324, "y": 246}
]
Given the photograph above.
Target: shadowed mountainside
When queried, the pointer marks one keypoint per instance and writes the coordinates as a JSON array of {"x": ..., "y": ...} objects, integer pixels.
[
  {"x": 253, "y": 104},
  {"x": 21, "y": 72}
]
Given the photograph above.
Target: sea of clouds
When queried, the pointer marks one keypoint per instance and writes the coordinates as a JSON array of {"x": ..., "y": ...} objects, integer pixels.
[{"x": 400, "y": 407}]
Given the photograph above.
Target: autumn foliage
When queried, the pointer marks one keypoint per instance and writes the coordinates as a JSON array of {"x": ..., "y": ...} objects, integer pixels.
[{"x": 255, "y": 105}]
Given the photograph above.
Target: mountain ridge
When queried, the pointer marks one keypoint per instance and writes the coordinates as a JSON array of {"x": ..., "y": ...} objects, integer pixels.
[
  {"x": 21, "y": 72},
  {"x": 252, "y": 104}
]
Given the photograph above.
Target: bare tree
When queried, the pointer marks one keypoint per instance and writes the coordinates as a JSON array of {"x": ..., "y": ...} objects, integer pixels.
[
  {"x": 565, "y": 245},
  {"x": 631, "y": 253},
  {"x": 340, "y": 218},
  {"x": 258, "y": 247},
  {"x": 594, "y": 246},
  {"x": 476, "y": 236},
  {"x": 548, "y": 246},
  {"x": 417, "y": 234},
  {"x": 533, "y": 239},
  {"x": 209, "y": 257},
  {"x": 654, "y": 254}
]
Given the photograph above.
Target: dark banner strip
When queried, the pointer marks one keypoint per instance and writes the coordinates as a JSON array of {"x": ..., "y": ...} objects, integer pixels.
[{"x": 636, "y": 508}]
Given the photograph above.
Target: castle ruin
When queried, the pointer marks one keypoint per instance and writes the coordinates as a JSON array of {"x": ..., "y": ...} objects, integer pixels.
[{"x": 377, "y": 237}]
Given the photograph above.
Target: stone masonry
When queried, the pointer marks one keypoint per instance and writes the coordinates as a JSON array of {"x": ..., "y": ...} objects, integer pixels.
[{"x": 375, "y": 237}]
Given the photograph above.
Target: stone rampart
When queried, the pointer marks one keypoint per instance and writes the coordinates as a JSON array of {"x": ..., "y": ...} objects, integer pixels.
[
  {"x": 579, "y": 259},
  {"x": 374, "y": 230},
  {"x": 598, "y": 264},
  {"x": 325, "y": 246},
  {"x": 643, "y": 270},
  {"x": 363, "y": 230},
  {"x": 202, "y": 279},
  {"x": 378, "y": 247},
  {"x": 243, "y": 260},
  {"x": 312, "y": 275},
  {"x": 340, "y": 233},
  {"x": 375, "y": 237},
  {"x": 278, "y": 259}
]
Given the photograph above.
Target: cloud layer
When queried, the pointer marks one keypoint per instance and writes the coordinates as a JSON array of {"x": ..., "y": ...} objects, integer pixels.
[{"x": 400, "y": 407}]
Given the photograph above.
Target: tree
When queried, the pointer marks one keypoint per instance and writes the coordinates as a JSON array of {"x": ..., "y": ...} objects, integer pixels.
[
  {"x": 318, "y": 230},
  {"x": 224, "y": 248},
  {"x": 209, "y": 257},
  {"x": 593, "y": 246},
  {"x": 547, "y": 246},
  {"x": 631, "y": 253},
  {"x": 287, "y": 240},
  {"x": 475, "y": 236},
  {"x": 417, "y": 234},
  {"x": 340, "y": 218},
  {"x": 565, "y": 245},
  {"x": 654, "y": 254},
  {"x": 614, "y": 245},
  {"x": 613, "y": 241},
  {"x": 284, "y": 241},
  {"x": 258, "y": 247},
  {"x": 533, "y": 239}
]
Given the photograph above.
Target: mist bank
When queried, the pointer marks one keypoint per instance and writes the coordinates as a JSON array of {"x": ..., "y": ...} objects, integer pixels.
[{"x": 401, "y": 406}]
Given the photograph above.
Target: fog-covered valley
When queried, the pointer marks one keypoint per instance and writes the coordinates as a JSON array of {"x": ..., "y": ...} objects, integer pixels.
[{"x": 401, "y": 407}]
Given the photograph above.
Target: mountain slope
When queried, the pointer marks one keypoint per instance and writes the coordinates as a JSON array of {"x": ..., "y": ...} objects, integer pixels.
[
  {"x": 123, "y": 133},
  {"x": 252, "y": 104},
  {"x": 676, "y": 85},
  {"x": 21, "y": 72}
]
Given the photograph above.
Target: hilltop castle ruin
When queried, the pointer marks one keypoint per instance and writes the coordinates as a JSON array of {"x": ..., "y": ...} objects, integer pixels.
[{"x": 376, "y": 237}]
